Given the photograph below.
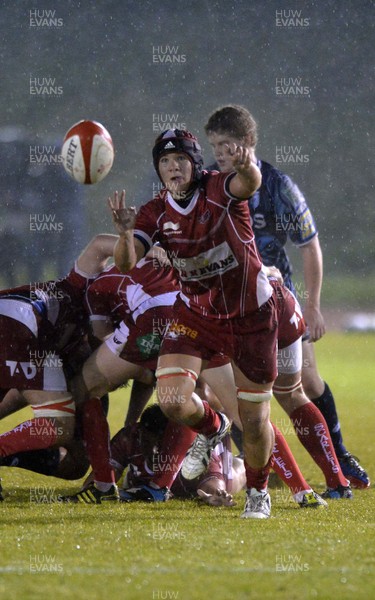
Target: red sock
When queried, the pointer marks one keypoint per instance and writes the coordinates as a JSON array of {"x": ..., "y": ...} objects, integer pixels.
[
  {"x": 257, "y": 478},
  {"x": 313, "y": 433},
  {"x": 35, "y": 434},
  {"x": 96, "y": 439},
  {"x": 176, "y": 442},
  {"x": 210, "y": 422},
  {"x": 284, "y": 464}
]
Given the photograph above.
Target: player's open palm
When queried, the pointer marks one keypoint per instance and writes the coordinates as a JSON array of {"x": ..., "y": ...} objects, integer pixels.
[
  {"x": 240, "y": 157},
  {"x": 123, "y": 216},
  {"x": 218, "y": 498}
]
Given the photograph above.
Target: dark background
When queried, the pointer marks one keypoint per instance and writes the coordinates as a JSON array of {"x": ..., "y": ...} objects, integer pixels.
[{"x": 105, "y": 59}]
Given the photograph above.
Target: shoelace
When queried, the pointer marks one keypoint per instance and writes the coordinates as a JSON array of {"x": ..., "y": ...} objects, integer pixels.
[
  {"x": 199, "y": 446},
  {"x": 255, "y": 501},
  {"x": 353, "y": 461}
]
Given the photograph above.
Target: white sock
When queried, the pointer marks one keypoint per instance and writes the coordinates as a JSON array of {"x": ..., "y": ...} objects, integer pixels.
[
  {"x": 299, "y": 496},
  {"x": 103, "y": 486}
]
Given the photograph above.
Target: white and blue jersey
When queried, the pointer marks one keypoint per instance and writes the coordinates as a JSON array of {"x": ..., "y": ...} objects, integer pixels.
[{"x": 279, "y": 211}]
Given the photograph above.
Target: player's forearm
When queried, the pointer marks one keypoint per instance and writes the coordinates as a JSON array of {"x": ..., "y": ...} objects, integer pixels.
[
  {"x": 125, "y": 253},
  {"x": 313, "y": 272},
  {"x": 94, "y": 257},
  {"x": 246, "y": 182}
]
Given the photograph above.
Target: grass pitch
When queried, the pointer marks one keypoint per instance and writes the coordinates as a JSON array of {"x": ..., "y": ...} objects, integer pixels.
[{"x": 187, "y": 551}]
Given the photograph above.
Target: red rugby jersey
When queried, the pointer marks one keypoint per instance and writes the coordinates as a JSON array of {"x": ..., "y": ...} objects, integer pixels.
[
  {"x": 211, "y": 245},
  {"x": 118, "y": 296}
]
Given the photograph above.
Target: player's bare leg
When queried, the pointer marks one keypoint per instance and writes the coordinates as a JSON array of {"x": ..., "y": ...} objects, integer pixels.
[
  {"x": 102, "y": 372},
  {"x": 258, "y": 436},
  {"x": 222, "y": 384},
  {"x": 177, "y": 375},
  {"x": 52, "y": 425},
  {"x": 283, "y": 461}
]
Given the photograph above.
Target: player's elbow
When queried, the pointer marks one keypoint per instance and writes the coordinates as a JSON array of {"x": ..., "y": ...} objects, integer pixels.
[{"x": 125, "y": 264}]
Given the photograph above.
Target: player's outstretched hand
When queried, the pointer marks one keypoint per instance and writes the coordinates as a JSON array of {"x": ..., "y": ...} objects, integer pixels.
[
  {"x": 241, "y": 157},
  {"x": 122, "y": 215},
  {"x": 219, "y": 498}
]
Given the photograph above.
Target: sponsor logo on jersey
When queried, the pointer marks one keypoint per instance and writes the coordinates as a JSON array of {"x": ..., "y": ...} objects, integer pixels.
[
  {"x": 181, "y": 329},
  {"x": 170, "y": 228},
  {"x": 28, "y": 369},
  {"x": 258, "y": 221},
  {"x": 149, "y": 344},
  {"x": 215, "y": 261}
]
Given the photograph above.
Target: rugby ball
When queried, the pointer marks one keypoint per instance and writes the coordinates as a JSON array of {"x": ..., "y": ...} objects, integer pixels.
[{"x": 87, "y": 152}]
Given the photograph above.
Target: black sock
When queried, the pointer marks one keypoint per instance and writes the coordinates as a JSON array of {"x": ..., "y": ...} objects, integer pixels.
[{"x": 326, "y": 405}]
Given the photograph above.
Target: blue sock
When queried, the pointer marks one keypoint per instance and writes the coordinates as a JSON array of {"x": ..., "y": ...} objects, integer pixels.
[{"x": 326, "y": 405}]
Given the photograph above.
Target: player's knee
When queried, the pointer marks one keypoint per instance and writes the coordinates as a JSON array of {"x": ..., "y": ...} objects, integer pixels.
[
  {"x": 290, "y": 398},
  {"x": 174, "y": 389},
  {"x": 173, "y": 410},
  {"x": 313, "y": 386}
]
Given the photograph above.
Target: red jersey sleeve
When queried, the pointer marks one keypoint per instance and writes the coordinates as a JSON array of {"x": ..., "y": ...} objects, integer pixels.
[
  {"x": 147, "y": 222},
  {"x": 98, "y": 299},
  {"x": 78, "y": 279}
]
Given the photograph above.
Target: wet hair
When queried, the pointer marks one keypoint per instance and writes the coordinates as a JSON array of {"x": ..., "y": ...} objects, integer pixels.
[
  {"x": 153, "y": 419},
  {"x": 234, "y": 120}
]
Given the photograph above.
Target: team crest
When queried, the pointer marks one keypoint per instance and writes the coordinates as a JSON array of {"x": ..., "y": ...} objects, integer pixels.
[{"x": 204, "y": 218}]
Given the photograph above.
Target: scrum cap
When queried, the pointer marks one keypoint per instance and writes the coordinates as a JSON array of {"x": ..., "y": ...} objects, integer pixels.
[{"x": 179, "y": 140}]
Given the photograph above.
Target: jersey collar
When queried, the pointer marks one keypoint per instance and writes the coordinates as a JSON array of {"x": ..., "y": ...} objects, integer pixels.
[{"x": 188, "y": 208}]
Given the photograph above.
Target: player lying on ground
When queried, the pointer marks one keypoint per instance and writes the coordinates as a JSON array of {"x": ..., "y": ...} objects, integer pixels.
[{"x": 137, "y": 448}]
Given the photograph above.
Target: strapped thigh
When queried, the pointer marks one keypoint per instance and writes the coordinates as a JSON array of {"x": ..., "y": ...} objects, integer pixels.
[
  {"x": 256, "y": 396},
  {"x": 64, "y": 407},
  {"x": 166, "y": 372}
]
